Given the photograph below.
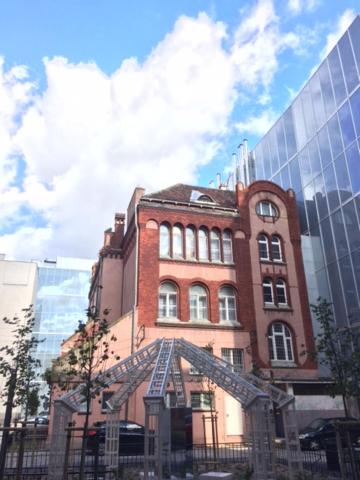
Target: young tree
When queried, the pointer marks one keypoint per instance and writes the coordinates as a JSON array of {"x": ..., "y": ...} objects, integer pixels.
[
  {"x": 33, "y": 401},
  {"x": 337, "y": 348},
  {"x": 84, "y": 363},
  {"x": 19, "y": 367}
]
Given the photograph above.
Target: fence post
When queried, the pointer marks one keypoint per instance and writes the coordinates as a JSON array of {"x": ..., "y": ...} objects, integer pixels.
[
  {"x": 67, "y": 450},
  {"x": 20, "y": 453},
  {"x": 96, "y": 459}
]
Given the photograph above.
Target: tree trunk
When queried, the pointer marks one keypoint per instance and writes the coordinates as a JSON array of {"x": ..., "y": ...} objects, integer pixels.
[
  {"x": 7, "y": 421},
  {"x": 345, "y": 406},
  {"x": 84, "y": 440}
]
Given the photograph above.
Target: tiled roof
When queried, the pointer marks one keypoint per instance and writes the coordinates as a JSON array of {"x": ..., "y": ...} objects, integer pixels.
[{"x": 187, "y": 193}]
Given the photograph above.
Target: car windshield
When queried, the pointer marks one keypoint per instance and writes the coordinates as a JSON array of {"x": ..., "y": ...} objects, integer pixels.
[{"x": 315, "y": 424}]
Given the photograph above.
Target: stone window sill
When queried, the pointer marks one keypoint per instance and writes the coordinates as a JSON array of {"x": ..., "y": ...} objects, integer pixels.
[
  {"x": 283, "y": 364},
  {"x": 277, "y": 308}
]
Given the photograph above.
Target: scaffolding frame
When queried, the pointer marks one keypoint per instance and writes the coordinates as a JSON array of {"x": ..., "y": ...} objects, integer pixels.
[{"x": 161, "y": 359}]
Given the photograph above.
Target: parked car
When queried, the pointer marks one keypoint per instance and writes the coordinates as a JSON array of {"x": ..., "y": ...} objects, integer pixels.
[
  {"x": 38, "y": 420},
  {"x": 321, "y": 431},
  {"x": 131, "y": 438}
]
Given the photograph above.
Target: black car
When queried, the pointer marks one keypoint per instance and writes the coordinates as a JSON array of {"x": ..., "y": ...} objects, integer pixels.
[
  {"x": 131, "y": 438},
  {"x": 322, "y": 431}
]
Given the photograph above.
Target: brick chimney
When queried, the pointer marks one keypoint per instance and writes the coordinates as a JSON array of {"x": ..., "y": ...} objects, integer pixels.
[
  {"x": 119, "y": 230},
  {"x": 240, "y": 194}
]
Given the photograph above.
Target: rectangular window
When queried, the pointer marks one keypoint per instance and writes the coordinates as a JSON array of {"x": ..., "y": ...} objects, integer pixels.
[
  {"x": 348, "y": 63},
  {"x": 335, "y": 136},
  {"x": 105, "y": 397},
  {"x": 268, "y": 293},
  {"x": 235, "y": 356},
  {"x": 170, "y": 400},
  {"x": 215, "y": 247},
  {"x": 337, "y": 76},
  {"x": 227, "y": 247},
  {"x": 202, "y": 400},
  {"x": 195, "y": 371}
]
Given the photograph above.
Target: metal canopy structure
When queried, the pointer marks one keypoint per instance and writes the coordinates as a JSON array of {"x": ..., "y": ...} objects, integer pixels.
[{"x": 161, "y": 360}]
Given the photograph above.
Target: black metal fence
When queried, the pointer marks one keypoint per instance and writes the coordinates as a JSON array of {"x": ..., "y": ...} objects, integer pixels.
[{"x": 27, "y": 457}]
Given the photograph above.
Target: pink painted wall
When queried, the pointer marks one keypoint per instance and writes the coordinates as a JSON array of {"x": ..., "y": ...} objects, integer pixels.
[
  {"x": 112, "y": 283},
  {"x": 128, "y": 293}
]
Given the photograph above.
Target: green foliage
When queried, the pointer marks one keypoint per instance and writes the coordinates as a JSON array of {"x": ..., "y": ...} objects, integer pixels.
[
  {"x": 87, "y": 359},
  {"x": 337, "y": 348},
  {"x": 84, "y": 365},
  {"x": 33, "y": 402},
  {"x": 17, "y": 363}
]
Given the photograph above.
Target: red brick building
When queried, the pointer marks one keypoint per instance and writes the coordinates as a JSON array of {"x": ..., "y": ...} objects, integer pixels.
[{"x": 220, "y": 268}]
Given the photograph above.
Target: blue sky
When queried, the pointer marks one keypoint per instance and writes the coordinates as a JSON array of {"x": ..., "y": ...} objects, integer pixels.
[{"x": 99, "y": 97}]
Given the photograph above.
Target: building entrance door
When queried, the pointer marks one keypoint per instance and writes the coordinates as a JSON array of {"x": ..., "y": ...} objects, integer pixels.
[{"x": 233, "y": 416}]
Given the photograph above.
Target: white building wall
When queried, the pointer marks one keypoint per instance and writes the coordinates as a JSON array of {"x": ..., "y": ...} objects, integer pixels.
[{"x": 17, "y": 291}]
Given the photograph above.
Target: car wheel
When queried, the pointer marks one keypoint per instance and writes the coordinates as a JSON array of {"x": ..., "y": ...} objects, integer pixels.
[{"x": 314, "y": 445}]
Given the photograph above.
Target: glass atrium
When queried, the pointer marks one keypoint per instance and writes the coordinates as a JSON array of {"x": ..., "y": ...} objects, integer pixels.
[
  {"x": 61, "y": 301},
  {"x": 314, "y": 149}
]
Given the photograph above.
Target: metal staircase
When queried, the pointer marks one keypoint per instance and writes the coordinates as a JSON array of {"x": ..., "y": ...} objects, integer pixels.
[
  {"x": 162, "y": 359},
  {"x": 178, "y": 381}
]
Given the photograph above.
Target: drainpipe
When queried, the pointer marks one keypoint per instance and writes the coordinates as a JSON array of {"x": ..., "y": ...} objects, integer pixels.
[
  {"x": 136, "y": 281},
  {"x": 132, "y": 342}
]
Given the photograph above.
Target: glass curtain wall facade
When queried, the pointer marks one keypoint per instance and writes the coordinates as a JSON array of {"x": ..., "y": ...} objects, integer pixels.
[
  {"x": 61, "y": 301},
  {"x": 314, "y": 149}
]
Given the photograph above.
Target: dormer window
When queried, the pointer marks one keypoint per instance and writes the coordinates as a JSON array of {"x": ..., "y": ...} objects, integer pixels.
[
  {"x": 266, "y": 209},
  {"x": 205, "y": 198}
]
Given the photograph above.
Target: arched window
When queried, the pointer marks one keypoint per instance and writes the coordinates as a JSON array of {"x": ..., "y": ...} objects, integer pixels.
[
  {"x": 227, "y": 247},
  {"x": 215, "y": 246},
  {"x": 263, "y": 247},
  {"x": 190, "y": 243},
  {"x": 164, "y": 241},
  {"x": 268, "y": 291},
  {"x": 276, "y": 253},
  {"x": 281, "y": 292},
  {"x": 177, "y": 242},
  {"x": 227, "y": 304},
  {"x": 203, "y": 245},
  {"x": 205, "y": 198},
  {"x": 167, "y": 300},
  {"x": 198, "y": 303},
  {"x": 266, "y": 209},
  {"x": 280, "y": 343}
]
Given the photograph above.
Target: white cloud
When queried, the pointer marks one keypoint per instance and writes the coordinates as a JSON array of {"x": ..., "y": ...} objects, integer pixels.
[
  {"x": 257, "y": 124},
  {"x": 297, "y": 6},
  {"x": 89, "y": 138},
  {"x": 341, "y": 26}
]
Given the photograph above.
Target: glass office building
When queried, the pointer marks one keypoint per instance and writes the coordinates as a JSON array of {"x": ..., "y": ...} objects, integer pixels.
[
  {"x": 314, "y": 149},
  {"x": 61, "y": 301}
]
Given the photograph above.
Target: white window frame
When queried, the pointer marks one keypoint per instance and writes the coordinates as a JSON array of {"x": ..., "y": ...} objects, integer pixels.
[
  {"x": 198, "y": 307},
  {"x": 266, "y": 208},
  {"x": 190, "y": 243},
  {"x": 208, "y": 404},
  {"x": 168, "y": 305},
  {"x": 265, "y": 284},
  {"x": 276, "y": 242},
  {"x": 287, "y": 343},
  {"x": 225, "y": 297},
  {"x": 215, "y": 246},
  {"x": 281, "y": 284},
  {"x": 162, "y": 241},
  {"x": 263, "y": 240},
  {"x": 231, "y": 355},
  {"x": 177, "y": 242},
  {"x": 203, "y": 238},
  {"x": 227, "y": 247},
  {"x": 193, "y": 370}
]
